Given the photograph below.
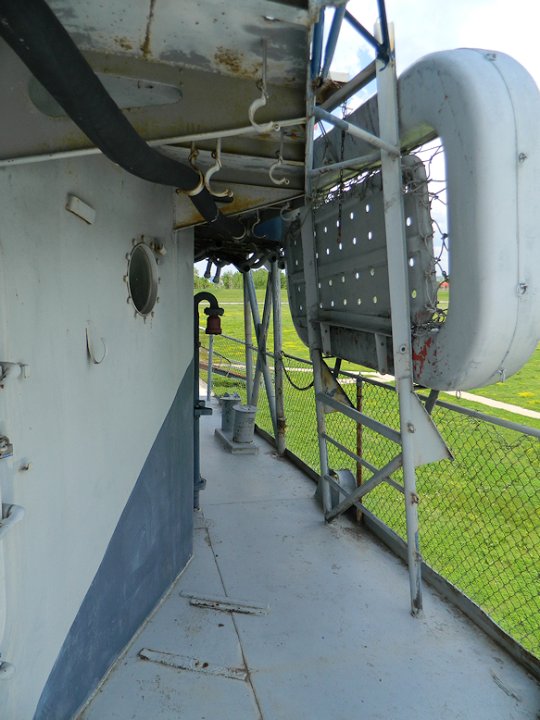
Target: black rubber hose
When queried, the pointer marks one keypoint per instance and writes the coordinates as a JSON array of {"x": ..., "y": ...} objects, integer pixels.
[{"x": 45, "y": 47}]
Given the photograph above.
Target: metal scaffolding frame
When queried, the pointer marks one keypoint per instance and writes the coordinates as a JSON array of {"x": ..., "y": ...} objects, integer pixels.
[{"x": 418, "y": 438}]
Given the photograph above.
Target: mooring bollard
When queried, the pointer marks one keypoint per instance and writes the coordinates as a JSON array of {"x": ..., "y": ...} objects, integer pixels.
[
  {"x": 243, "y": 423},
  {"x": 227, "y": 404}
]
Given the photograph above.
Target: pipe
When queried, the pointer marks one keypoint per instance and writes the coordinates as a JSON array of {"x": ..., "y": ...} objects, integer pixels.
[
  {"x": 331, "y": 43},
  {"x": 214, "y": 311},
  {"x": 373, "y": 140},
  {"x": 32, "y": 29},
  {"x": 160, "y": 142}
]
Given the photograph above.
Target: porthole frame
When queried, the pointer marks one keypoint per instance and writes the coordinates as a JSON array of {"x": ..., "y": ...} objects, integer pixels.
[{"x": 143, "y": 299}]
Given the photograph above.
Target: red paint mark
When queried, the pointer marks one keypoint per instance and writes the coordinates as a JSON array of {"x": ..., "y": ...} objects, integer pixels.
[{"x": 420, "y": 357}]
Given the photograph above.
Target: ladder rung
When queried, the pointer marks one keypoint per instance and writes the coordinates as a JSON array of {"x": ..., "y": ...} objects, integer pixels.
[
  {"x": 356, "y": 83},
  {"x": 364, "y": 135},
  {"x": 356, "y": 163}
]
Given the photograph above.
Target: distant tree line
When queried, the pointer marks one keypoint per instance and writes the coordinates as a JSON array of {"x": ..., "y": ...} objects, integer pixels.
[{"x": 231, "y": 279}]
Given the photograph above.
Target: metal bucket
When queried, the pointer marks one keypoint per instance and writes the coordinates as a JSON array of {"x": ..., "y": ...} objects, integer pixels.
[
  {"x": 243, "y": 423},
  {"x": 227, "y": 404}
]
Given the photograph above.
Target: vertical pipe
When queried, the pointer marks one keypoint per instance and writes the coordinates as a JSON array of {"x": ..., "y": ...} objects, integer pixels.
[
  {"x": 339, "y": 14},
  {"x": 312, "y": 305},
  {"x": 316, "y": 52},
  {"x": 196, "y": 404},
  {"x": 278, "y": 357},
  {"x": 359, "y": 440},
  {"x": 210, "y": 368},
  {"x": 400, "y": 313},
  {"x": 310, "y": 274},
  {"x": 248, "y": 337}
]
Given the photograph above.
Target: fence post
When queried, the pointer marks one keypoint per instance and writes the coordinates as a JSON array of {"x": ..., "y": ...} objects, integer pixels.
[
  {"x": 248, "y": 337},
  {"x": 278, "y": 358},
  {"x": 210, "y": 362},
  {"x": 359, "y": 439}
]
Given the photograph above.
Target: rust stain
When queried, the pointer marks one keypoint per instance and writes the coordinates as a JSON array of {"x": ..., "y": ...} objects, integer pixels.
[
  {"x": 124, "y": 43},
  {"x": 230, "y": 59},
  {"x": 145, "y": 47}
]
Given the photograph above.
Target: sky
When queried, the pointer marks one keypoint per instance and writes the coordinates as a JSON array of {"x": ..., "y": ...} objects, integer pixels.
[{"x": 424, "y": 26}]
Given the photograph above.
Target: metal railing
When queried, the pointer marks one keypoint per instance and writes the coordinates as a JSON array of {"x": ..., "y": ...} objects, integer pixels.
[{"x": 479, "y": 515}]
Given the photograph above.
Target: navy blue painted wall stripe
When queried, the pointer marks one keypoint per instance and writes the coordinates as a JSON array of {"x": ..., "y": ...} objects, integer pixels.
[{"x": 150, "y": 545}]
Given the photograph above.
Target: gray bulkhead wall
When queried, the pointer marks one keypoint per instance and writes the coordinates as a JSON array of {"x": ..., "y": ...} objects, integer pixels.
[{"x": 103, "y": 453}]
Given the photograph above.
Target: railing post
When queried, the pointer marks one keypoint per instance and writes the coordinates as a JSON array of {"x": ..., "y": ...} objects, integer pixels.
[
  {"x": 248, "y": 337},
  {"x": 210, "y": 362},
  {"x": 359, "y": 439},
  {"x": 278, "y": 358}
]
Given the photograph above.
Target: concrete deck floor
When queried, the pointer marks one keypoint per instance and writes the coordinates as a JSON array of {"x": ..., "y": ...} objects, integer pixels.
[{"x": 337, "y": 641}]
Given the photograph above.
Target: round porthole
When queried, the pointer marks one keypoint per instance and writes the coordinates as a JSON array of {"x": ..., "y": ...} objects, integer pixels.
[{"x": 142, "y": 279}]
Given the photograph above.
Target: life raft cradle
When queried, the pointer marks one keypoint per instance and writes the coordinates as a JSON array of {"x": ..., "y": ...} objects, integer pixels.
[{"x": 486, "y": 109}]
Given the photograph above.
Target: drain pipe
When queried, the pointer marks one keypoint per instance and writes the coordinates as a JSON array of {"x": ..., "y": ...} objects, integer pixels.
[
  {"x": 213, "y": 327},
  {"x": 34, "y": 32}
]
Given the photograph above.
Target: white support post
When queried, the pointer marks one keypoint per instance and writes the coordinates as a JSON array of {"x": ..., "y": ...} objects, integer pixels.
[
  {"x": 312, "y": 307},
  {"x": 275, "y": 276},
  {"x": 248, "y": 336},
  {"x": 400, "y": 312}
]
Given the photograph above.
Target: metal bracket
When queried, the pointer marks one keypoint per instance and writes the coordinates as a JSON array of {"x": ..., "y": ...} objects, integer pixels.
[
  {"x": 6, "y": 447},
  {"x": 11, "y": 515},
  {"x": 10, "y": 370},
  {"x": 7, "y": 670},
  {"x": 201, "y": 409}
]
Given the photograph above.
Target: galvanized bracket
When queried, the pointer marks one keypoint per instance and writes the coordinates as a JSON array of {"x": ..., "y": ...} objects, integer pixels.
[
  {"x": 11, "y": 370},
  {"x": 7, "y": 670},
  {"x": 6, "y": 447},
  {"x": 11, "y": 515},
  {"x": 201, "y": 409}
]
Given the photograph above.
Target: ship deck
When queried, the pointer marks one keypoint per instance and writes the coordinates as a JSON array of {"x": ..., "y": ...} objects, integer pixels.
[{"x": 321, "y": 627}]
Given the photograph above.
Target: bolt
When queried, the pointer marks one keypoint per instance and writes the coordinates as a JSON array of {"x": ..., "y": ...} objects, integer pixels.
[
  {"x": 411, "y": 428},
  {"x": 415, "y": 500},
  {"x": 403, "y": 349},
  {"x": 522, "y": 157}
]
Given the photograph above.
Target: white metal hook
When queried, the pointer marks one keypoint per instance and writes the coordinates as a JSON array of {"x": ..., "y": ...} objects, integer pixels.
[
  {"x": 279, "y": 163},
  {"x": 281, "y": 181},
  {"x": 261, "y": 101},
  {"x": 213, "y": 170}
]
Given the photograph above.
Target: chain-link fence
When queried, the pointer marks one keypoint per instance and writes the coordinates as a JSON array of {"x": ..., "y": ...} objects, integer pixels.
[{"x": 479, "y": 515}]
